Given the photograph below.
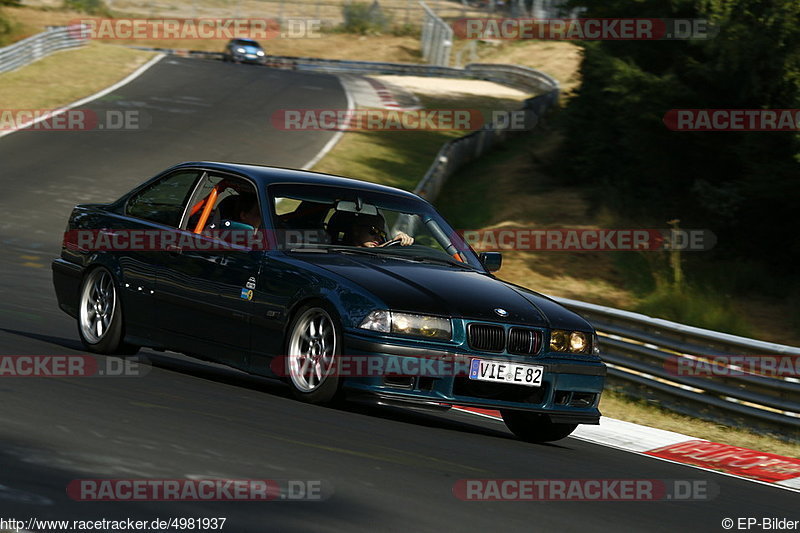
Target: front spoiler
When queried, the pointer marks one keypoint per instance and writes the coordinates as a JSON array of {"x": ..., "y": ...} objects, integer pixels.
[
  {"x": 397, "y": 400},
  {"x": 568, "y": 375}
]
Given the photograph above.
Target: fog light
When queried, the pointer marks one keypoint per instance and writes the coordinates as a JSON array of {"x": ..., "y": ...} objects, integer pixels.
[{"x": 558, "y": 340}]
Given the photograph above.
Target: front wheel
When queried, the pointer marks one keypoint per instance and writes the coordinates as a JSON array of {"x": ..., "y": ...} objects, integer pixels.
[
  {"x": 535, "y": 427},
  {"x": 100, "y": 315},
  {"x": 312, "y": 353}
]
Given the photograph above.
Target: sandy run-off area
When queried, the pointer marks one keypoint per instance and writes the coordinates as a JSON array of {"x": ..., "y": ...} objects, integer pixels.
[{"x": 431, "y": 86}]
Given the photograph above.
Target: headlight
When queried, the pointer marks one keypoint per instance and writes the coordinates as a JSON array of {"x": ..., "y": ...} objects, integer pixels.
[
  {"x": 570, "y": 342},
  {"x": 429, "y": 327},
  {"x": 558, "y": 340},
  {"x": 241, "y": 50},
  {"x": 578, "y": 342},
  {"x": 260, "y": 53},
  {"x": 378, "y": 321}
]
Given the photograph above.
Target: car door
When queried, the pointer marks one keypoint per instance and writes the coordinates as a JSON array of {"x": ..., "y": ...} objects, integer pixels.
[
  {"x": 156, "y": 208},
  {"x": 204, "y": 283}
]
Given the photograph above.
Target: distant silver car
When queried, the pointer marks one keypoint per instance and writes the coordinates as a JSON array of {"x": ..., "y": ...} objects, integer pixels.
[{"x": 244, "y": 51}]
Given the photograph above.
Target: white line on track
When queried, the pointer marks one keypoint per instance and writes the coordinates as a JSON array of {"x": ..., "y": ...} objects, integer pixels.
[{"x": 336, "y": 137}]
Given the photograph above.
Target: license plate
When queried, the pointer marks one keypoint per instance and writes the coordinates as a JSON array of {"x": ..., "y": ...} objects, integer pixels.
[{"x": 506, "y": 372}]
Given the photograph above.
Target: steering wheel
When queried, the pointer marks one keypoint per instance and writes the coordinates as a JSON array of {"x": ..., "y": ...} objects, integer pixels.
[{"x": 387, "y": 244}]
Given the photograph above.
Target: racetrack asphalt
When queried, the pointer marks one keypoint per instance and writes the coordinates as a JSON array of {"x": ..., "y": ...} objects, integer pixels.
[{"x": 385, "y": 469}]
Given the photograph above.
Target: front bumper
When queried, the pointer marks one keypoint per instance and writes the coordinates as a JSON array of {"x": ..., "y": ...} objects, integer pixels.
[
  {"x": 570, "y": 390},
  {"x": 249, "y": 58}
]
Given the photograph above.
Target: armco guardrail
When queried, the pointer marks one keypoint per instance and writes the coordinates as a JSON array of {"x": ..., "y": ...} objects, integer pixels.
[
  {"x": 40, "y": 45},
  {"x": 525, "y": 78},
  {"x": 456, "y": 153},
  {"x": 680, "y": 366}
]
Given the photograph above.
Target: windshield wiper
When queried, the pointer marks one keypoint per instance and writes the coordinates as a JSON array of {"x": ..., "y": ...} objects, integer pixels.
[
  {"x": 309, "y": 250},
  {"x": 443, "y": 261},
  {"x": 341, "y": 249},
  {"x": 355, "y": 250},
  {"x": 387, "y": 253}
]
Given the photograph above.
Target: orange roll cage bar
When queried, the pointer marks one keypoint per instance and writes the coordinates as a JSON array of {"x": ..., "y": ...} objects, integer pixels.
[{"x": 208, "y": 204}]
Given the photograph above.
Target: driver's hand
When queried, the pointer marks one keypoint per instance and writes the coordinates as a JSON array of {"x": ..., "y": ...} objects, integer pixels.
[{"x": 405, "y": 240}]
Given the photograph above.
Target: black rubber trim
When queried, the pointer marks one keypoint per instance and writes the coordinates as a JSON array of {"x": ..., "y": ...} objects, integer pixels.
[{"x": 560, "y": 417}]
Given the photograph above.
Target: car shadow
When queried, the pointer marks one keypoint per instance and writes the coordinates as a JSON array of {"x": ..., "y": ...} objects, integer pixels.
[
  {"x": 72, "y": 344},
  {"x": 358, "y": 404}
]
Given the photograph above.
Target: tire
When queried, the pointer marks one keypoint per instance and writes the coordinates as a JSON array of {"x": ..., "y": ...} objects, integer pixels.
[
  {"x": 535, "y": 427},
  {"x": 313, "y": 347},
  {"x": 100, "y": 322}
]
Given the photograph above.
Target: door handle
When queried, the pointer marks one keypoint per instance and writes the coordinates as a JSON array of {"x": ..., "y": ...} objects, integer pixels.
[{"x": 174, "y": 249}]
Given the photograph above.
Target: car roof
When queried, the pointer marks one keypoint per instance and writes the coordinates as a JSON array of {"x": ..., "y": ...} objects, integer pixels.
[
  {"x": 245, "y": 41},
  {"x": 264, "y": 175}
]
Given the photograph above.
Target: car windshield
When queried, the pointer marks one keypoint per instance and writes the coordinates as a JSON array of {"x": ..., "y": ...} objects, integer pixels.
[
  {"x": 246, "y": 43},
  {"x": 334, "y": 219}
]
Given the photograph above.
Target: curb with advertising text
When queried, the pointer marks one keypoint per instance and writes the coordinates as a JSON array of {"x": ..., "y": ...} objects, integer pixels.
[{"x": 769, "y": 468}]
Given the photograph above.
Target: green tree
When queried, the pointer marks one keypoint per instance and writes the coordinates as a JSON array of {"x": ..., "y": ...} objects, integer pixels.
[{"x": 743, "y": 186}]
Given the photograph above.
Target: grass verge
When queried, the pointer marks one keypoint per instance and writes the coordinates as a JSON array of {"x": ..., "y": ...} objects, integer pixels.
[
  {"x": 63, "y": 77},
  {"x": 615, "y": 405},
  {"x": 401, "y": 158}
]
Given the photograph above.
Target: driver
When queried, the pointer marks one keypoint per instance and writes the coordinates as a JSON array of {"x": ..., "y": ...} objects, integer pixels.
[
  {"x": 368, "y": 232},
  {"x": 249, "y": 212}
]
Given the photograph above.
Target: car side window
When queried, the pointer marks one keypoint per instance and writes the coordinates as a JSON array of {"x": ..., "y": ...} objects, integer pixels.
[
  {"x": 235, "y": 205},
  {"x": 164, "y": 200}
]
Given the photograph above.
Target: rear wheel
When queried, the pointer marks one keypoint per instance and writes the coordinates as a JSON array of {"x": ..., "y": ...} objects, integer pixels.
[
  {"x": 100, "y": 315},
  {"x": 312, "y": 353},
  {"x": 535, "y": 427}
]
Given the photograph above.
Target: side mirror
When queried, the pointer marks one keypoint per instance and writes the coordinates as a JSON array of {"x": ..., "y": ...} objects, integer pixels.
[{"x": 491, "y": 260}]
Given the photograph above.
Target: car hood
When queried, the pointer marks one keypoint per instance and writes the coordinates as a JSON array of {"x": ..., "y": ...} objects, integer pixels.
[
  {"x": 443, "y": 290},
  {"x": 249, "y": 49}
]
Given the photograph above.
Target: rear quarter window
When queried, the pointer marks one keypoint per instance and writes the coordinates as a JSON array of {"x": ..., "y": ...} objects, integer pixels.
[{"x": 163, "y": 201}]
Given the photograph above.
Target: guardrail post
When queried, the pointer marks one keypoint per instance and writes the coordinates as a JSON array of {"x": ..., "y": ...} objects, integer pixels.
[{"x": 437, "y": 38}]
